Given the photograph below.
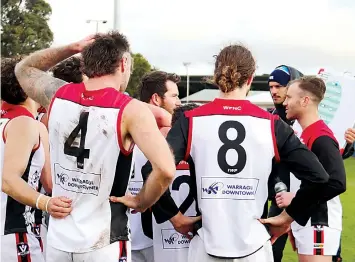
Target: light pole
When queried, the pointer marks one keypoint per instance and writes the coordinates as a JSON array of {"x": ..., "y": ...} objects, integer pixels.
[
  {"x": 97, "y": 23},
  {"x": 116, "y": 15},
  {"x": 186, "y": 64}
]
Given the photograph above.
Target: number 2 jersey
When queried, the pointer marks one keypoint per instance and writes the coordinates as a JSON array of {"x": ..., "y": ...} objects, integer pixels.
[
  {"x": 170, "y": 245},
  {"x": 89, "y": 164}
]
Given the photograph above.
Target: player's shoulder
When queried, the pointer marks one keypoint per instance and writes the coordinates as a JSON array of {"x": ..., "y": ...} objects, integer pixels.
[{"x": 21, "y": 123}]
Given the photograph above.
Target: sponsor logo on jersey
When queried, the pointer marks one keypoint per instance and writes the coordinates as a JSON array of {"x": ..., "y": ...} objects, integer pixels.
[
  {"x": 318, "y": 245},
  {"x": 229, "y": 188},
  {"x": 76, "y": 181},
  {"x": 22, "y": 249},
  {"x": 213, "y": 188},
  {"x": 174, "y": 240}
]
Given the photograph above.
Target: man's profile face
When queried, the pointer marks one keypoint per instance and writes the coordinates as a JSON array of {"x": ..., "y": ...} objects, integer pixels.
[
  {"x": 293, "y": 102},
  {"x": 171, "y": 97},
  {"x": 278, "y": 92}
]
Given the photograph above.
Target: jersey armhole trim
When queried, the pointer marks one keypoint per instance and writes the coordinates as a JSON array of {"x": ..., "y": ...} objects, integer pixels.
[
  {"x": 276, "y": 150},
  {"x": 3, "y": 132},
  {"x": 4, "y": 138},
  {"x": 189, "y": 138},
  {"x": 119, "y": 132}
]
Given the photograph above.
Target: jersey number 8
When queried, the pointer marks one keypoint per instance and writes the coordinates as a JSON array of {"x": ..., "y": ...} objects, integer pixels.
[{"x": 231, "y": 144}]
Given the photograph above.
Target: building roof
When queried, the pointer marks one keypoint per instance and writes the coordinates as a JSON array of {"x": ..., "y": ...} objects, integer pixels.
[{"x": 207, "y": 95}]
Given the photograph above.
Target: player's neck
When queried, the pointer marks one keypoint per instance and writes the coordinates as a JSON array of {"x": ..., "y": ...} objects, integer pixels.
[
  {"x": 308, "y": 119},
  {"x": 236, "y": 94},
  {"x": 102, "y": 82},
  {"x": 31, "y": 106}
]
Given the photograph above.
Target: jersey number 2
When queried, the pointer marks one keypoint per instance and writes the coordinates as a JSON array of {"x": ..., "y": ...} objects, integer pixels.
[
  {"x": 189, "y": 199},
  {"x": 79, "y": 152},
  {"x": 231, "y": 144}
]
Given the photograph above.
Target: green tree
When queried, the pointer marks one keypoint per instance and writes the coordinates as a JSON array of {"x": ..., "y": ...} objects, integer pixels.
[
  {"x": 140, "y": 67},
  {"x": 24, "y": 26}
]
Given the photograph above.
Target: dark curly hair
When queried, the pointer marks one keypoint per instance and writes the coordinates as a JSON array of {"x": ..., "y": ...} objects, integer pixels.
[
  {"x": 11, "y": 91},
  {"x": 69, "y": 70},
  {"x": 102, "y": 57},
  {"x": 180, "y": 110}
]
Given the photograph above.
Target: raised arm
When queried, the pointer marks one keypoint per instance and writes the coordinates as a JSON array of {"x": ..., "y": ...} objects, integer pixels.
[{"x": 31, "y": 71}]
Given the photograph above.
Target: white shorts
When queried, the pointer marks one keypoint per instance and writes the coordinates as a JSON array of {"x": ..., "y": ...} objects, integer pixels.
[
  {"x": 144, "y": 255},
  {"x": 197, "y": 253},
  {"x": 119, "y": 251},
  {"x": 21, "y": 247},
  {"x": 317, "y": 240}
]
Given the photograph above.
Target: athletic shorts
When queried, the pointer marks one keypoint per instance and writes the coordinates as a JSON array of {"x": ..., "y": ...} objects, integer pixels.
[
  {"x": 197, "y": 253},
  {"x": 119, "y": 251},
  {"x": 143, "y": 255},
  {"x": 317, "y": 240},
  {"x": 21, "y": 247}
]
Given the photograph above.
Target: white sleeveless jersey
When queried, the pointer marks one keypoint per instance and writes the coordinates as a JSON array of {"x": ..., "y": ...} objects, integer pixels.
[
  {"x": 334, "y": 208},
  {"x": 16, "y": 217},
  {"x": 232, "y": 148},
  {"x": 170, "y": 245},
  {"x": 89, "y": 164},
  {"x": 139, "y": 239}
]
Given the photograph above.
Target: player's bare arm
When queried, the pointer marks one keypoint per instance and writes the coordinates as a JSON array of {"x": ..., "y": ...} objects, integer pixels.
[
  {"x": 162, "y": 117},
  {"x": 46, "y": 177},
  {"x": 31, "y": 71},
  {"x": 15, "y": 164},
  {"x": 139, "y": 124}
]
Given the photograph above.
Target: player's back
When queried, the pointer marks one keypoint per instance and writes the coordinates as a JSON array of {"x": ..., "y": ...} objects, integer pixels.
[
  {"x": 231, "y": 144},
  {"x": 89, "y": 164}
]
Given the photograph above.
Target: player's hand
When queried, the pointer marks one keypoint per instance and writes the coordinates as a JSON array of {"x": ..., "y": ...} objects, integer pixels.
[
  {"x": 278, "y": 225},
  {"x": 129, "y": 201},
  {"x": 184, "y": 224},
  {"x": 350, "y": 135},
  {"x": 59, "y": 207},
  {"x": 80, "y": 45},
  {"x": 283, "y": 199},
  {"x": 291, "y": 237}
]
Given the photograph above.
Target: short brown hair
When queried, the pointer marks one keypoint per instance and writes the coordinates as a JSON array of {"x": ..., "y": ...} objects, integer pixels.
[
  {"x": 11, "y": 91},
  {"x": 69, "y": 70},
  {"x": 102, "y": 57},
  {"x": 234, "y": 65},
  {"x": 155, "y": 83},
  {"x": 313, "y": 85}
]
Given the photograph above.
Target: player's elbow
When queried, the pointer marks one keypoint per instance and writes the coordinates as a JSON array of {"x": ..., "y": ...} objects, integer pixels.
[{"x": 167, "y": 172}]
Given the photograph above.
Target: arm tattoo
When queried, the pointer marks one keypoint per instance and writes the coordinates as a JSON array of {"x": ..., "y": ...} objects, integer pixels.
[{"x": 33, "y": 78}]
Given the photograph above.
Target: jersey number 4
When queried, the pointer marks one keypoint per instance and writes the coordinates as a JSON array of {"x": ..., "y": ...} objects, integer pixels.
[
  {"x": 231, "y": 144},
  {"x": 79, "y": 152}
]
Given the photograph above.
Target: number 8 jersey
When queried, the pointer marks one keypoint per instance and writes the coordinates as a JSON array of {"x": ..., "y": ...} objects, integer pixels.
[{"x": 89, "y": 164}]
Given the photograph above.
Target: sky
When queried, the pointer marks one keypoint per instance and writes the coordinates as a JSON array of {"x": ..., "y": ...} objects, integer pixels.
[{"x": 306, "y": 34}]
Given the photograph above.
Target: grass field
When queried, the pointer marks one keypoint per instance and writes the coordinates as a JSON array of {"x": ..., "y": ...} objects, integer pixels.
[{"x": 348, "y": 202}]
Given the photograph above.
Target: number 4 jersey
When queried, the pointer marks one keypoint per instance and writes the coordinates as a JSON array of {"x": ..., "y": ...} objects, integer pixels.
[{"x": 89, "y": 164}]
